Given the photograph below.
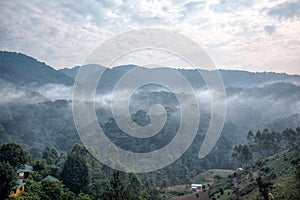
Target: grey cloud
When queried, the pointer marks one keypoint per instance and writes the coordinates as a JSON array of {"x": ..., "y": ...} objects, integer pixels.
[
  {"x": 143, "y": 19},
  {"x": 285, "y": 10},
  {"x": 230, "y": 5},
  {"x": 81, "y": 10},
  {"x": 131, "y": 12},
  {"x": 53, "y": 31},
  {"x": 191, "y": 7},
  {"x": 269, "y": 29},
  {"x": 194, "y": 5},
  {"x": 106, "y": 3},
  {"x": 48, "y": 30}
]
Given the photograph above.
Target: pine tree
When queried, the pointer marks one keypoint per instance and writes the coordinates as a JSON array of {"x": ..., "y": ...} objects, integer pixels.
[
  {"x": 7, "y": 179},
  {"x": 75, "y": 174},
  {"x": 13, "y": 154}
]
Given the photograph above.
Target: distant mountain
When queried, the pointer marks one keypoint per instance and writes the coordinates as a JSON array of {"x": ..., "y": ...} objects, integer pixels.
[
  {"x": 283, "y": 90},
  {"x": 279, "y": 125},
  {"x": 70, "y": 72},
  {"x": 237, "y": 78},
  {"x": 254, "y": 100},
  {"x": 231, "y": 78},
  {"x": 21, "y": 70}
]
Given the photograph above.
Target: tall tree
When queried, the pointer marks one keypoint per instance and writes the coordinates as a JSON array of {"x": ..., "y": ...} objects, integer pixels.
[
  {"x": 117, "y": 189},
  {"x": 7, "y": 179},
  {"x": 264, "y": 187},
  {"x": 135, "y": 186},
  {"x": 242, "y": 154},
  {"x": 250, "y": 136},
  {"x": 13, "y": 154},
  {"x": 75, "y": 174},
  {"x": 292, "y": 136},
  {"x": 266, "y": 143},
  {"x": 51, "y": 155},
  {"x": 246, "y": 154},
  {"x": 52, "y": 190},
  {"x": 164, "y": 184}
]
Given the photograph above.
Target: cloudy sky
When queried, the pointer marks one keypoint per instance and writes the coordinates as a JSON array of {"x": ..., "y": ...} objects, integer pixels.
[{"x": 254, "y": 35}]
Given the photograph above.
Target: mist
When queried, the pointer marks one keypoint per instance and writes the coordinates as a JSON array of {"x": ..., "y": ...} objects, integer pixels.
[
  {"x": 249, "y": 108},
  {"x": 9, "y": 93}
]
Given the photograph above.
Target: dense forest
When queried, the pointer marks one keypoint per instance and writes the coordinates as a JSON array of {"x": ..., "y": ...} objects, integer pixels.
[
  {"x": 78, "y": 175},
  {"x": 271, "y": 164},
  {"x": 38, "y": 135},
  {"x": 149, "y": 100}
]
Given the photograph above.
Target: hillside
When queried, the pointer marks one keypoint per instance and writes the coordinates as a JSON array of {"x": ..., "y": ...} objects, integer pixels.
[
  {"x": 279, "y": 125},
  {"x": 231, "y": 78},
  {"x": 36, "y": 112},
  {"x": 280, "y": 171},
  {"x": 21, "y": 70},
  {"x": 210, "y": 176}
]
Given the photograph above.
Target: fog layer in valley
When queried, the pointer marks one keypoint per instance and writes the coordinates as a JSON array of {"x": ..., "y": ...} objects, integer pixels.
[{"x": 260, "y": 104}]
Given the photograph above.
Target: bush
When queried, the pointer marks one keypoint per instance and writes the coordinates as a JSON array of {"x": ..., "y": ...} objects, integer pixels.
[
  {"x": 221, "y": 191},
  {"x": 218, "y": 177}
]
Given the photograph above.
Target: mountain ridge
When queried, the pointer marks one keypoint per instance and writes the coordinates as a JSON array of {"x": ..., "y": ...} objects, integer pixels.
[
  {"x": 20, "y": 69},
  {"x": 231, "y": 78}
]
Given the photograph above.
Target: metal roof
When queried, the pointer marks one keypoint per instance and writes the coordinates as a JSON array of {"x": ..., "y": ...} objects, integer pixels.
[
  {"x": 50, "y": 178},
  {"x": 25, "y": 168},
  {"x": 19, "y": 183}
]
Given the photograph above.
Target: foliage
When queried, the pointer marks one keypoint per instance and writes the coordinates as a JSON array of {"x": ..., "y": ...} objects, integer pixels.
[
  {"x": 273, "y": 176},
  {"x": 117, "y": 189},
  {"x": 164, "y": 184},
  {"x": 13, "y": 154},
  {"x": 264, "y": 187},
  {"x": 264, "y": 144},
  {"x": 7, "y": 179},
  {"x": 242, "y": 154},
  {"x": 134, "y": 186},
  {"x": 84, "y": 178},
  {"x": 51, "y": 155},
  {"x": 82, "y": 196},
  {"x": 51, "y": 190},
  {"x": 75, "y": 174}
]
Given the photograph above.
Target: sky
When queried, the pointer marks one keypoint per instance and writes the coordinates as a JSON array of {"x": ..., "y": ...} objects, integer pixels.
[{"x": 253, "y": 35}]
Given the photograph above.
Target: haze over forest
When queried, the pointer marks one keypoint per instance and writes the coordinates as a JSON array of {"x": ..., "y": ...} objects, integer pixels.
[
  {"x": 36, "y": 111},
  {"x": 252, "y": 45}
]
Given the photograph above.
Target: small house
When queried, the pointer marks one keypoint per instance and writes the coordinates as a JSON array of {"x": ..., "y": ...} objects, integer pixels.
[
  {"x": 18, "y": 189},
  {"x": 196, "y": 187},
  {"x": 24, "y": 171},
  {"x": 50, "y": 178}
]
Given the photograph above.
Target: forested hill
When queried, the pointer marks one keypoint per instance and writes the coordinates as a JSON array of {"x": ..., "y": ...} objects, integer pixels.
[
  {"x": 271, "y": 168},
  {"x": 231, "y": 78},
  {"x": 21, "y": 70},
  {"x": 270, "y": 171},
  {"x": 36, "y": 112}
]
